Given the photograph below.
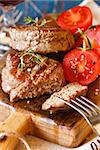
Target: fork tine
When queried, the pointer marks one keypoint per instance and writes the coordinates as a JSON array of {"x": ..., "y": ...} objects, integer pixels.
[
  {"x": 90, "y": 107},
  {"x": 81, "y": 106},
  {"x": 76, "y": 108},
  {"x": 98, "y": 109}
]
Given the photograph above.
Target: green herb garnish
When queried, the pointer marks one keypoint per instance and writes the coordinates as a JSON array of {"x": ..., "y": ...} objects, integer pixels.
[
  {"x": 44, "y": 21},
  {"x": 28, "y": 20},
  {"x": 34, "y": 57},
  {"x": 36, "y": 21},
  {"x": 21, "y": 64}
]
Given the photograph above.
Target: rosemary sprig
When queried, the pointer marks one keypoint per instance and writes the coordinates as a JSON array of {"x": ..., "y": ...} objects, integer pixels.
[{"x": 36, "y": 21}]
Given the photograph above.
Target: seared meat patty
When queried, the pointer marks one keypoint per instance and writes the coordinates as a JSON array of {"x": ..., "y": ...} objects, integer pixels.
[
  {"x": 42, "y": 40},
  {"x": 28, "y": 75},
  {"x": 68, "y": 92}
]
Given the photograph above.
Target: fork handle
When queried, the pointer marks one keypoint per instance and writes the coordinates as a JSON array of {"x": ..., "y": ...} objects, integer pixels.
[{"x": 96, "y": 128}]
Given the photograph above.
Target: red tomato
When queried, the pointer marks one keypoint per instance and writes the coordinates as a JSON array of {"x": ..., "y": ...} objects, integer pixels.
[
  {"x": 77, "y": 17},
  {"x": 94, "y": 36},
  {"x": 99, "y": 65},
  {"x": 81, "y": 66}
]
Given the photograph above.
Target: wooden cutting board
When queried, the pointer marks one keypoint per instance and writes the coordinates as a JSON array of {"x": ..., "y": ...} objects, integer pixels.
[
  {"x": 40, "y": 144},
  {"x": 67, "y": 128}
]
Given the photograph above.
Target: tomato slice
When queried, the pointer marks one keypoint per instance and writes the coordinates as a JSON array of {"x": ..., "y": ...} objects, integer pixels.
[
  {"x": 77, "y": 17},
  {"x": 81, "y": 66}
]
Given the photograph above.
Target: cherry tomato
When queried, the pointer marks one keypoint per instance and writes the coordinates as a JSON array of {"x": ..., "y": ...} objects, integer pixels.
[
  {"x": 81, "y": 66},
  {"x": 99, "y": 65},
  {"x": 94, "y": 36},
  {"x": 77, "y": 17}
]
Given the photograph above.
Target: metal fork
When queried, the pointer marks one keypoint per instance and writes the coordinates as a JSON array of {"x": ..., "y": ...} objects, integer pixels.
[{"x": 88, "y": 110}]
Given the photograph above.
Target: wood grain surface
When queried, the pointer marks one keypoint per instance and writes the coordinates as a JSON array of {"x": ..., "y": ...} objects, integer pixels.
[
  {"x": 34, "y": 142},
  {"x": 37, "y": 143}
]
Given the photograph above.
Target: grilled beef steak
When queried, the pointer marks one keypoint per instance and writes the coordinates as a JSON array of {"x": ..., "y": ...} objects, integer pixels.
[
  {"x": 28, "y": 75},
  {"x": 42, "y": 40},
  {"x": 67, "y": 93}
]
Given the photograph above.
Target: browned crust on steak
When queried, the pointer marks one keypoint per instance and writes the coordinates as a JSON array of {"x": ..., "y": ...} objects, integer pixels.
[
  {"x": 28, "y": 83},
  {"x": 42, "y": 40}
]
